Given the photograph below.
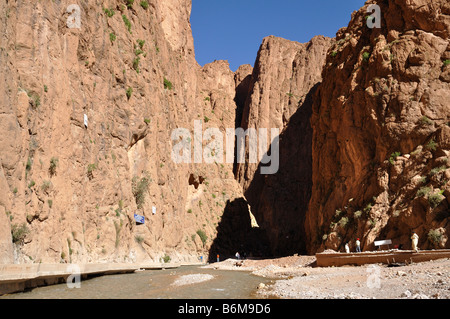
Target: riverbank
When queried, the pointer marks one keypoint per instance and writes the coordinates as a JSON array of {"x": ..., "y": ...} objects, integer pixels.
[{"x": 298, "y": 277}]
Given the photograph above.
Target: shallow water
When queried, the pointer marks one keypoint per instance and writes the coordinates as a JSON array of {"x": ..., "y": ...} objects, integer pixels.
[{"x": 154, "y": 284}]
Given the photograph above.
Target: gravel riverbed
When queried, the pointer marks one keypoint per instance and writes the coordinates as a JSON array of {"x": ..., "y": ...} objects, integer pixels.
[{"x": 297, "y": 277}]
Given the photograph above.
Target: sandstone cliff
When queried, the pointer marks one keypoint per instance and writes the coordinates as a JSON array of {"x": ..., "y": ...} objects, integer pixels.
[
  {"x": 285, "y": 75},
  {"x": 363, "y": 147},
  {"x": 380, "y": 126}
]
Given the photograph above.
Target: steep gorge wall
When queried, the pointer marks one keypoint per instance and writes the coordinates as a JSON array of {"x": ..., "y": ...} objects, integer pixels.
[
  {"x": 380, "y": 149},
  {"x": 363, "y": 120}
]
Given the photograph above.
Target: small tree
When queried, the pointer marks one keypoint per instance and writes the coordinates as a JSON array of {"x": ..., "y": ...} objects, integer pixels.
[{"x": 202, "y": 236}]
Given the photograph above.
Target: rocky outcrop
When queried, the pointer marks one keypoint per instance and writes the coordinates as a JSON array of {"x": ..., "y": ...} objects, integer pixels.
[
  {"x": 285, "y": 76},
  {"x": 380, "y": 118},
  {"x": 130, "y": 71}
]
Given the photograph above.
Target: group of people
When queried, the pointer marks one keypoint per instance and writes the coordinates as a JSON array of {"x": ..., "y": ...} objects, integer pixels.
[
  {"x": 414, "y": 240},
  {"x": 358, "y": 246}
]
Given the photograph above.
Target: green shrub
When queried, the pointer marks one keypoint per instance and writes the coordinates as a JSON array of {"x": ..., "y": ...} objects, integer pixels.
[
  {"x": 202, "y": 236},
  {"x": 129, "y": 3},
  {"x": 112, "y": 37},
  {"x": 435, "y": 199},
  {"x": 333, "y": 54},
  {"x": 366, "y": 56},
  {"x": 118, "y": 227},
  {"x": 141, "y": 43},
  {"x": 393, "y": 157},
  {"x": 91, "y": 168},
  {"x": 423, "y": 191},
  {"x": 144, "y": 4},
  {"x": 53, "y": 165},
  {"x": 46, "y": 185},
  {"x": 167, "y": 84},
  {"x": 19, "y": 232},
  {"x": 166, "y": 259},
  {"x": 29, "y": 164},
  {"x": 129, "y": 92},
  {"x": 35, "y": 100},
  {"x": 136, "y": 62},
  {"x": 368, "y": 208},
  {"x": 434, "y": 236},
  {"x": 109, "y": 12},
  {"x": 424, "y": 120},
  {"x": 139, "y": 239},
  {"x": 437, "y": 170},
  {"x": 343, "y": 222},
  {"x": 127, "y": 22},
  {"x": 139, "y": 188},
  {"x": 357, "y": 214},
  {"x": 446, "y": 62},
  {"x": 431, "y": 145}
]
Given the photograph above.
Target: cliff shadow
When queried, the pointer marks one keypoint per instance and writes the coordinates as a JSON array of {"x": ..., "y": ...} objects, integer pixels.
[
  {"x": 235, "y": 234},
  {"x": 280, "y": 201}
]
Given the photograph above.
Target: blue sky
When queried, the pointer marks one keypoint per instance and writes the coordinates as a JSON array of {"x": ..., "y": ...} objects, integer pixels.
[{"x": 233, "y": 29}]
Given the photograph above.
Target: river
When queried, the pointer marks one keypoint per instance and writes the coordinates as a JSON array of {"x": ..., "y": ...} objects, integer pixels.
[{"x": 154, "y": 284}]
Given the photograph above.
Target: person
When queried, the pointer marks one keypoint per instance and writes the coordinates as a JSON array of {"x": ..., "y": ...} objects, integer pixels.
[
  {"x": 415, "y": 241},
  {"x": 238, "y": 257},
  {"x": 347, "y": 248},
  {"x": 358, "y": 245}
]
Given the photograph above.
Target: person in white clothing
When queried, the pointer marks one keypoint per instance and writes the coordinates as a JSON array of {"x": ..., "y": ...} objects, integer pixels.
[
  {"x": 358, "y": 245},
  {"x": 415, "y": 241}
]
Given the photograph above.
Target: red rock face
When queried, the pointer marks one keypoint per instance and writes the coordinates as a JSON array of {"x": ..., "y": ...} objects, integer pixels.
[
  {"x": 132, "y": 72},
  {"x": 380, "y": 118},
  {"x": 285, "y": 76}
]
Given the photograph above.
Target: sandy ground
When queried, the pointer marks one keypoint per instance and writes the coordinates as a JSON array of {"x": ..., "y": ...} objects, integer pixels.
[{"x": 297, "y": 277}]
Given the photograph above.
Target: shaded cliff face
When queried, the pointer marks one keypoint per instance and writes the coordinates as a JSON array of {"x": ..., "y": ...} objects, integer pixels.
[
  {"x": 380, "y": 119},
  {"x": 76, "y": 188},
  {"x": 283, "y": 81}
]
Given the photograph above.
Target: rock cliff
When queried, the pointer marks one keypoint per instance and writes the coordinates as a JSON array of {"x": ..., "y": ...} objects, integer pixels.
[
  {"x": 380, "y": 130},
  {"x": 90, "y": 96},
  {"x": 70, "y": 188},
  {"x": 286, "y": 74}
]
